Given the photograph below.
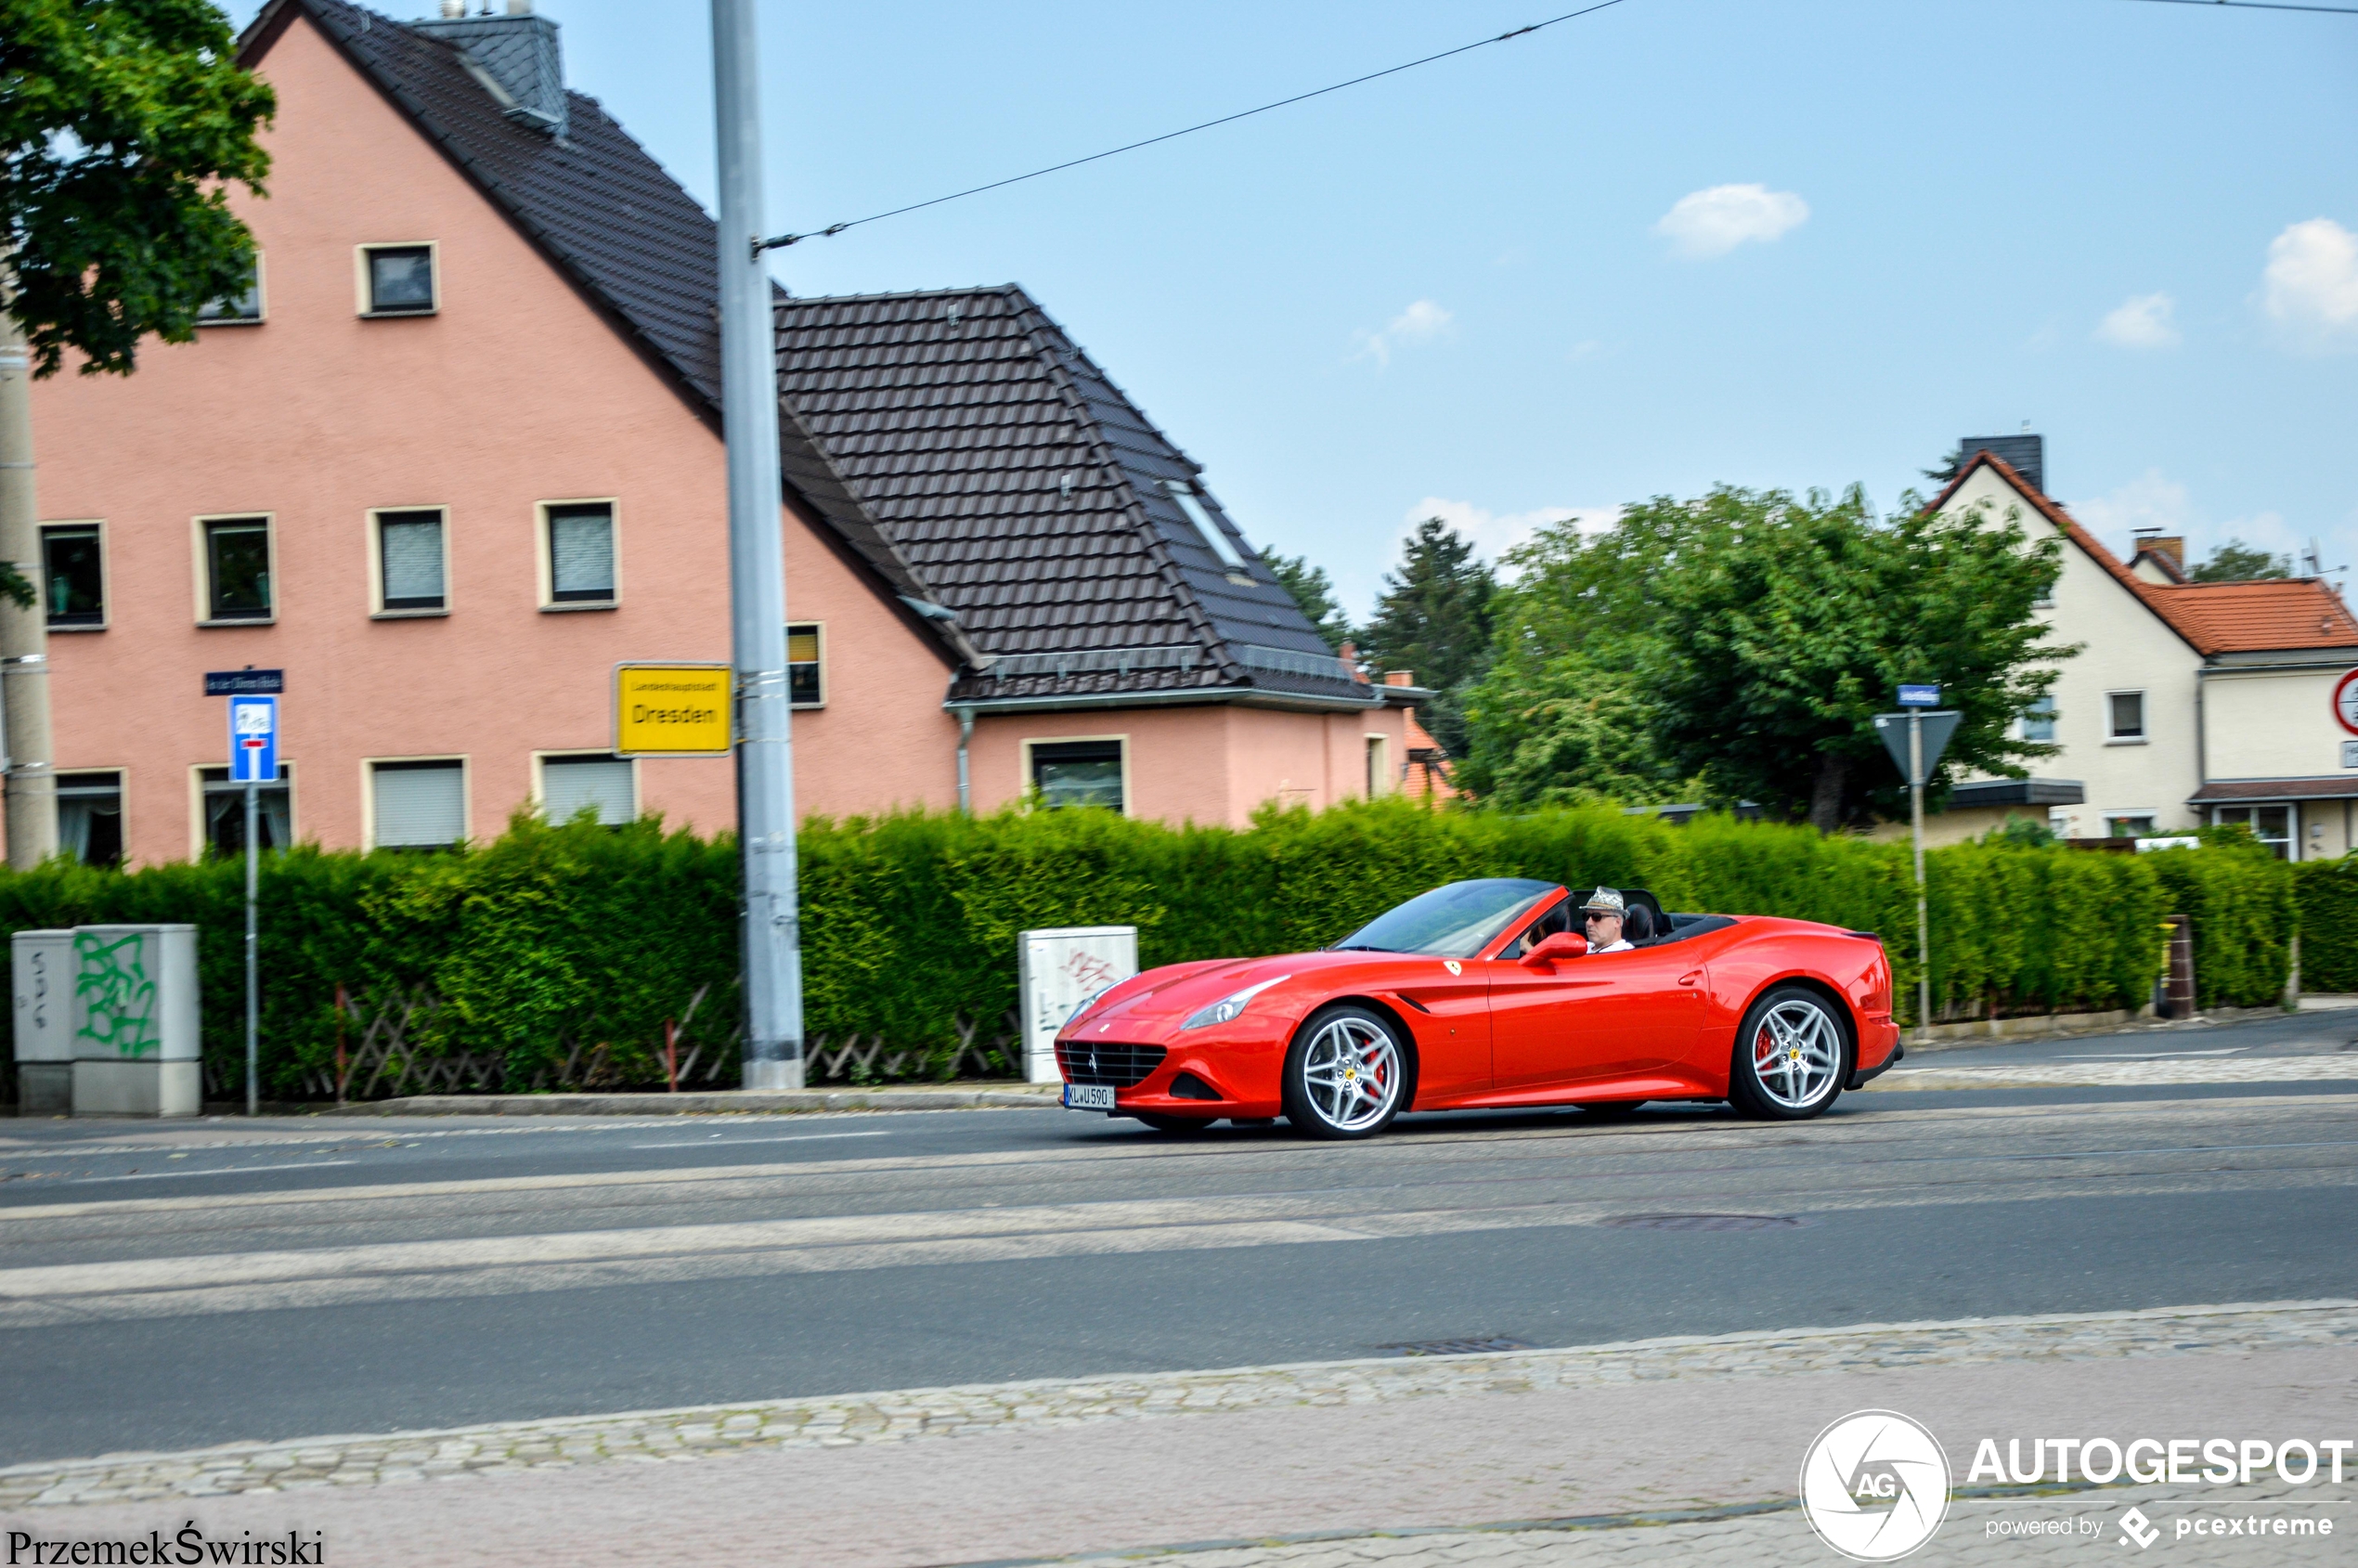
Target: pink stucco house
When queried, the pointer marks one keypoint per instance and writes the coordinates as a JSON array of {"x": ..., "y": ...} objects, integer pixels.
[{"x": 458, "y": 452}]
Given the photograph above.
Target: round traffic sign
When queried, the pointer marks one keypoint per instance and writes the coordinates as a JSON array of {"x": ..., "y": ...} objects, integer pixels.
[{"x": 2346, "y": 701}]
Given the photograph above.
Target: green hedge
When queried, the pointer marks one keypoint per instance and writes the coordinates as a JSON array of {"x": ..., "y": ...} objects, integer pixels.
[
  {"x": 2326, "y": 894},
  {"x": 550, "y": 939}
]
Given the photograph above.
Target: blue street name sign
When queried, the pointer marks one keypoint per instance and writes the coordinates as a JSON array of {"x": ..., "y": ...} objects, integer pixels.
[
  {"x": 253, "y": 740},
  {"x": 1919, "y": 696},
  {"x": 244, "y": 682}
]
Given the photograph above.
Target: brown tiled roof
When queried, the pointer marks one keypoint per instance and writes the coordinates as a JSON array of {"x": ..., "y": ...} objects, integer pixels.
[
  {"x": 2211, "y": 617},
  {"x": 936, "y": 452}
]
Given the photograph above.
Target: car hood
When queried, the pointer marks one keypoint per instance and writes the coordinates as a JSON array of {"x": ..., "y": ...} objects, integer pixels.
[{"x": 1160, "y": 998}]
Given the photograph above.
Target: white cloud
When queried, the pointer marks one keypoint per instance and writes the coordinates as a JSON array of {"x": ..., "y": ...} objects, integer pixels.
[
  {"x": 1494, "y": 533},
  {"x": 1423, "y": 322},
  {"x": 1714, "y": 222},
  {"x": 2142, "y": 321},
  {"x": 2311, "y": 287}
]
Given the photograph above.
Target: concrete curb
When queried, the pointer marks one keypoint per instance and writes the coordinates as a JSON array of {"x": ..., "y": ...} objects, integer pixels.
[
  {"x": 719, "y": 1102},
  {"x": 2040, "y": 1025}
]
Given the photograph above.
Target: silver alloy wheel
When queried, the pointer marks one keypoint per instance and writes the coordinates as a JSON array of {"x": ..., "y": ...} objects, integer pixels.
[
  {"x": 1797, "y": 1054},
  {"x": 1351, "y": 1074}
]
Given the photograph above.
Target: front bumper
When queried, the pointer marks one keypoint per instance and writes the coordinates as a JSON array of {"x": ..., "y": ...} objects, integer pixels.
[{"x": 1229, "y": 1074}]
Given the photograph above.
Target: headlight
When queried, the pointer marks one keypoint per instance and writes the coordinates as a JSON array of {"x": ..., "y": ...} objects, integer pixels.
[
  {"x": 1089, "y": 1001},
  {"x": 1227, "y": 1008}
]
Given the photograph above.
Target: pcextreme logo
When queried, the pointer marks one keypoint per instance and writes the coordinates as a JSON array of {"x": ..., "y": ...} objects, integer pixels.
[{"x": 1874, "y": 1486}]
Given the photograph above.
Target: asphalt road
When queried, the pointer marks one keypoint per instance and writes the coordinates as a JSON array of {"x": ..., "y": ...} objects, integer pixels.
[{"x": 166, "y": 1287}]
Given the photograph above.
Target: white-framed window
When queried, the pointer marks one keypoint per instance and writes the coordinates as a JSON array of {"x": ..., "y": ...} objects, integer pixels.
[
  {"x": 568, "y": 782},
  {"x": 578, "y": 559},
  {"x": 2130, "y": 825},
  {"x": 806, "y": 664},
  {"x": 240, "y": 309},
  {"x": 409, "y": 561},
  {"x": 73, "y": 574},
  {"x": 1190, "y": 503},
  {"x": 236, "y": 562},
  {"x": 1078, "y": 770},
  {"x": 2273, "y": 826},
  {"x": 1379, "y": 766},
  {"x": 2124, "y": 716},
  {"x": 416, "y": 802},
  {"x": 221, "y": 813},
  {"x": 90, "y": 816},
  {"x": 399, "y": 278},
  {"x": 2039, "y": 720}
]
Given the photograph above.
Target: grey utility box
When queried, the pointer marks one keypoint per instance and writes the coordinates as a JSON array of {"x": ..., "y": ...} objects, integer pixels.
[
  {"x": 135, "y": 1021},
  {"x": 41, "y": 964}
]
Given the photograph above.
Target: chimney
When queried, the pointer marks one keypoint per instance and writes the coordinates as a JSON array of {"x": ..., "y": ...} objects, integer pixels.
[
  {"x": 516, "y": 57},
  {"x": 1399, "y": 677},
  {"x": 2026, "y": 454},
  {"x": 2171, "y": 546}
]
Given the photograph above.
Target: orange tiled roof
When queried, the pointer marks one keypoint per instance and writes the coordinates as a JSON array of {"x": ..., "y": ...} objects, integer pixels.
[{"x": 2211, "y": 617}]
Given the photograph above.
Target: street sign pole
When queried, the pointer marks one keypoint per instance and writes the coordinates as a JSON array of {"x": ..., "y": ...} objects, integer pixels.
[
  {"x": 757, "y": 569},
  {"x": 1923, "y": 921},
  {"x": 253, "y": 969}
]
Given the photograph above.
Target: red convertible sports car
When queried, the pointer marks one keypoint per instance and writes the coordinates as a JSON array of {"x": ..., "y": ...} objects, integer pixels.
[{"x": 1484, "y": 994}]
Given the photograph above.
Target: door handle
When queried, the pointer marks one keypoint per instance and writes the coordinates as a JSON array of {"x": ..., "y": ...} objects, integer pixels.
[{"x": 1691, "y": 976}]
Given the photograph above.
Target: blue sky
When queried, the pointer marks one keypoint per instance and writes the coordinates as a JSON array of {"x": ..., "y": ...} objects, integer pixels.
[{"x": 1770, "y": 243}]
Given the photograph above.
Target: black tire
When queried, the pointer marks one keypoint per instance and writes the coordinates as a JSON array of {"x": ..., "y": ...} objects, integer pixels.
[
  {"x": 1808, "y": 1040},
  {"x": 1337, "y": 1042},
  {"x": 1175, "y": 1126},
  {"x": 1611, "y": 1110}
]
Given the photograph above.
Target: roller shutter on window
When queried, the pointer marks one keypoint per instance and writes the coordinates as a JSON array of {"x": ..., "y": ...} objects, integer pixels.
[
  {"x": 580, "y": 554},
  {"x": 420, "y": 805},
  {"x": 567, "y": 783}
]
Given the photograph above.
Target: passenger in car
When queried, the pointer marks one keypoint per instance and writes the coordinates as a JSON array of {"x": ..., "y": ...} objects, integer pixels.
[{"x": 1606, "y": 913}]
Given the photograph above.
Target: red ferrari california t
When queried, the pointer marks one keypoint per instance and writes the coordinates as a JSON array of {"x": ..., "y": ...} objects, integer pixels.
[{"x": 1486, "y": 994}]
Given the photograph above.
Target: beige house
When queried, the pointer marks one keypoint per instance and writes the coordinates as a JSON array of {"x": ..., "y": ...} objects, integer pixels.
[{"x": 2190, "y": 704}]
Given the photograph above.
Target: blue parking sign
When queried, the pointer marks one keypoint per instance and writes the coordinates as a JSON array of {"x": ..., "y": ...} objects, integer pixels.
[{"x": 253, "y": 740}]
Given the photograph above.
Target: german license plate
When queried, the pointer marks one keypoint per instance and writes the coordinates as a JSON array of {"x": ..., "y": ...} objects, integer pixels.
[{"x": 1088, "y": 1097}]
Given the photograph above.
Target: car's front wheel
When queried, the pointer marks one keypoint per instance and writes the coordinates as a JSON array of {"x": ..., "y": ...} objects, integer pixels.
[
  {"x": 1790, "y": 1055},
  {"x": 1348, "y": 1073}
]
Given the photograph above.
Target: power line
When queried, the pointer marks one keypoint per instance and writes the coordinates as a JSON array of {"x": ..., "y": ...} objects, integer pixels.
[{"x": 782, "y": 241}]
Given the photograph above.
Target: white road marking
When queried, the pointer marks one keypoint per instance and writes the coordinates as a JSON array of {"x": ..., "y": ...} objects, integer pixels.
[
  {"x": 791, "y": 1138},
  {"x": 224, "y": 1170}
]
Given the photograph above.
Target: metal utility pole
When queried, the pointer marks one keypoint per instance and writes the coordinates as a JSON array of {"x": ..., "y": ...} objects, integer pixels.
[
  {"x": 32, "y": 787},
  {"x": 1923, "y": 920},
  {"x": 756, "y": 570},
  {"x": 253, "y": 954}
]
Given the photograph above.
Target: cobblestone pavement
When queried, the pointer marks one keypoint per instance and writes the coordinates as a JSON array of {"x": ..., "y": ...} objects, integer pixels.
[
  {"x": 648, "y": 1436},
  {"x": 1976, "y": 1530}
]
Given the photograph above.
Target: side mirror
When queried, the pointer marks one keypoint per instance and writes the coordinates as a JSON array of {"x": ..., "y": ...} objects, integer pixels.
[{"x": 1550, "y": 950}]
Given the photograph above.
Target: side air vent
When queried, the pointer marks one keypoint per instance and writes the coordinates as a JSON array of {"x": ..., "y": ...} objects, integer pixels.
[{"x": 1187, "y": 1086}]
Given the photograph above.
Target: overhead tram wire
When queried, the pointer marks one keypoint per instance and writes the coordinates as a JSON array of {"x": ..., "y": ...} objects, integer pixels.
[{"x": 782, "y": 241}]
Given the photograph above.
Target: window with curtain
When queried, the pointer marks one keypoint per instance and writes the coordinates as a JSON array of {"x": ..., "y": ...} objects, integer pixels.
[
  {"x": 581, "y": 554},
  {"x": 237, "y": 568},
  {"x": 603, "y": 784},
  {"x": 73, "y": 583},
  {"x": 419, "y": 804},
  {"x": 410, "y": 559},
  {"x": 90, "y": 817},
  {"x": 1077, "y": 774},
  {"x": 225, "y": 813},
  {"x": 806, "y": 667}
]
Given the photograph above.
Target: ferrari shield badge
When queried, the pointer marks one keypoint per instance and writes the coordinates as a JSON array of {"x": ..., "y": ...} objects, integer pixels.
[{"x": 1453, "y": 965}]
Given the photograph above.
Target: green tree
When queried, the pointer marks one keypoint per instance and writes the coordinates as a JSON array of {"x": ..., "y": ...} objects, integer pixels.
[
  {"x": 1315, "y": 592},
  {"x": 124, "y": 124},
  {"x": 1755, "y": 634},
  {"x": 1434, "y": 619},
  {"x": 2237, "y": 561}
]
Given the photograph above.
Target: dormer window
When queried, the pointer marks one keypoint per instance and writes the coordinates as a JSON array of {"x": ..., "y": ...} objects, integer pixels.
[{"x": 399, "y": 280}]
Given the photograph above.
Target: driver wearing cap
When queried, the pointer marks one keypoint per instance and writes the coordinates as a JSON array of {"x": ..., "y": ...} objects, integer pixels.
[{"x": 1604, "y": 910}]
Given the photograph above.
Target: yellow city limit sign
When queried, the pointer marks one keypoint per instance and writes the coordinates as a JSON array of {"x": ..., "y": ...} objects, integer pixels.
[{"x": 671, "y": 709}]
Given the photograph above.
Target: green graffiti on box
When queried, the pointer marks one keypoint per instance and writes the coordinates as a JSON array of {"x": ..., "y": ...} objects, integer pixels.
[{"x": 116, "y": 994}]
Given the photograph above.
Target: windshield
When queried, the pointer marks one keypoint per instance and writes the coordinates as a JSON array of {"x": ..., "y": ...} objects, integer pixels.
[{"x": 1454, "y": 922}]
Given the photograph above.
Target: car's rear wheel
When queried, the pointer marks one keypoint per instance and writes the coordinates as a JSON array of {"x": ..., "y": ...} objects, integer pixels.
[
  {"x": 1790, "y": 1055},
  {"x": 1348, "y": 1073}
]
